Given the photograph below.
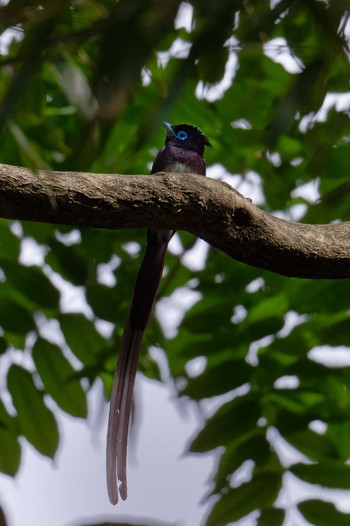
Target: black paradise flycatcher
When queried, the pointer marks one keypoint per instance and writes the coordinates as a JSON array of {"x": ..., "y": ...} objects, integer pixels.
[{"x": 183, "y": 152}]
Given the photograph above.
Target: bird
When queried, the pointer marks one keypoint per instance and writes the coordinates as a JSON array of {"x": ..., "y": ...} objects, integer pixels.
[{"x": 183, "y": 152}]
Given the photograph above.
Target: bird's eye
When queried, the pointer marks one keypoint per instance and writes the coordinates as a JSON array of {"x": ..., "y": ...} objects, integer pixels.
[{"x": 182, "y": 135}]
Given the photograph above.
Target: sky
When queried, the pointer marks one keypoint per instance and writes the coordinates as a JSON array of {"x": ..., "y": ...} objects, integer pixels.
[{"x": 71, "y": 491}]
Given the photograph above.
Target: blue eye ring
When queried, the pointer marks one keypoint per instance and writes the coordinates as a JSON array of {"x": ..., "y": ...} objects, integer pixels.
[{"x": 182, "y": 135}]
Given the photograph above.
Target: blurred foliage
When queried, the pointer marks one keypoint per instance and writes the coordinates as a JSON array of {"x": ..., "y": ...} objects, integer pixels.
[{"x": 85, "y": 86}]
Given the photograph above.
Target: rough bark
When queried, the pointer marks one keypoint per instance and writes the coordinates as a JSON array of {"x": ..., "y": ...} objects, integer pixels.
[{"x": 210, "y": 209}]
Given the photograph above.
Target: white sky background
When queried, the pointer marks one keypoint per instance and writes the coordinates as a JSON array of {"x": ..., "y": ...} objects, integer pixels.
[{"x": 164, "y": 483}]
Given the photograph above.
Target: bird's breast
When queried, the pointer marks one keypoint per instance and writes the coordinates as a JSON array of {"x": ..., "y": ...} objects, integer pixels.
[
  {"x": 178, "y": 167},
  {"x": 172, "y": 159}
]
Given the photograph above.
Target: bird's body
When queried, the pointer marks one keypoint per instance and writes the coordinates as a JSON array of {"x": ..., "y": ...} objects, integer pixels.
[{"x": 183, "y": 152}]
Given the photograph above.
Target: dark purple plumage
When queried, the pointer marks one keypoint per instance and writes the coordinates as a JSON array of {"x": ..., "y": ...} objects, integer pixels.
[{"x": 183, "y": 152}]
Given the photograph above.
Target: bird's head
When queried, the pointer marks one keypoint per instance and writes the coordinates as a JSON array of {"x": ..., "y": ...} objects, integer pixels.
[{"x": 186, "y": 136}]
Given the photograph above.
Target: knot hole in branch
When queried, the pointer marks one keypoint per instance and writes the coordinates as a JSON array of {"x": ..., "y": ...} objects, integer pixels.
[{"x": 241, "y": 217}]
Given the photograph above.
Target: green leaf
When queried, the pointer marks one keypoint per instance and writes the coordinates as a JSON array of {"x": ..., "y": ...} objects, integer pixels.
[
  {"x": 320, "y": 513},
  {"x": 314, "y": 445},
  {"x": 104, "y": 301},
  {"x": 58, "y": 377},
  {"x": 218, "y": 379},
  {"x": 267, "y": 308},
  {"x": 35, "y": 421},
  {"x": 298, "y": 401},
  {"x": 339, "y": 435},
  {"x": 10, "y": 452},
  {"x": 14, "y": 317},
  {"x": 15, "y": 340},
  {"x": 27, "y": 146},
  {"x": 3, "y": 345},
  {"x": 75, "y": 87},
  {"x": 40, "y": 232},
  {"x": 82, "y": 337},
  {"x": 258, "y": 493},
  {"x": 233, "y": 420},
  {"x": 32, "y": 283},
  {"x": 271, "y": 517},
  {"x": 9, "y": 446},
  {"x": 9, "y": 243},
  {"x": 255, "y": 448},
  {"x": 330, "y": 474},
  {"x": 68, "y": 261}
]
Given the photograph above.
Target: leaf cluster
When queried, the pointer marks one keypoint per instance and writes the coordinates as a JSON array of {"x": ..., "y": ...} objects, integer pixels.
[{"x": 84, "y": 86}]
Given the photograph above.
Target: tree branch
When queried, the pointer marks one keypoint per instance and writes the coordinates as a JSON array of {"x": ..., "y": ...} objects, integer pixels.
[{"x": 210, "y": 209}]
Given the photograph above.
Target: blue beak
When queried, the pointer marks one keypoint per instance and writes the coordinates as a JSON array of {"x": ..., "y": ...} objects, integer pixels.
[{"x": 169, "y": 129}]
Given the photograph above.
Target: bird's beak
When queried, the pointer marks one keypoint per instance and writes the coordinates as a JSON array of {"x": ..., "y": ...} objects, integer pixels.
[{"x": 169, "y": 129}]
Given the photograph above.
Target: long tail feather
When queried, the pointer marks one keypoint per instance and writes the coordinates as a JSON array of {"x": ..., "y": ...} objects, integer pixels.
[{"x": 139, "y": 315}]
